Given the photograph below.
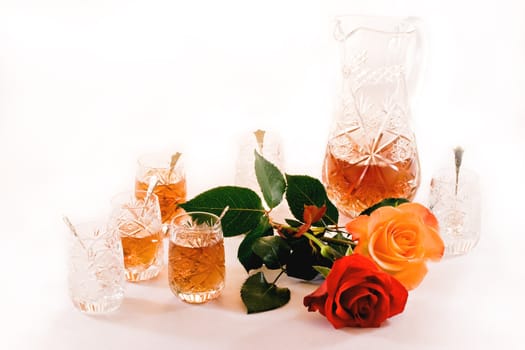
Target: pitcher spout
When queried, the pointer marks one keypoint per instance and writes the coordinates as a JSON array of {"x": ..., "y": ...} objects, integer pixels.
[{"x": 348, "y": 25}]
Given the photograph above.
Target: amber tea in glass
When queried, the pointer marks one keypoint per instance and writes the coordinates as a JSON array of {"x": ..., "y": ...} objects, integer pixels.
[
  {"x": 196, "y": 268},
  {"x": 171, "y": 186},
  {"x": 139, "y": 224}
]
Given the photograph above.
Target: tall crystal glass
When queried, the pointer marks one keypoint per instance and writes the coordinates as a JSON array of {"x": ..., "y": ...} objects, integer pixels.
[
  {"x": 196, "y": 268},
  {"x": 171, "y": 187},
  {"x": 138, "y": 221},
  {"x": 457, "y": 206},
  {"x": 96, "y": 270}
]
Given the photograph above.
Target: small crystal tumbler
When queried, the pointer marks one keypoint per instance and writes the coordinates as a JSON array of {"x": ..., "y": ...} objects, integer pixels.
[
  {"x": 138, "y": 222},
  {"x": 196, "y": 267},
  {"x": 96, "y": 269},
  {"x": 171, "y": 176},
  {"x": 267, "y": 144},
  {"x": 457, "y": 206}
]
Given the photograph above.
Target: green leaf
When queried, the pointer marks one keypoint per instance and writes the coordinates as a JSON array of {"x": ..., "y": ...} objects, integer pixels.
[
  {"x": 323, "y": 270},
  {"x": 270, "y": 179},
  {"x": 340, "y": 248},
  {"x": 393, "y": 202},
  {"x": 305, "y": 190},
  {"x": 293, "y": 223},
  {"x": 303, "y": 257},
  {"x": 245, "y": 210},
  {"x": 273, "y": 251},
  {"x": 258, "y": 295},
  {"x": 245, "y": 253}
]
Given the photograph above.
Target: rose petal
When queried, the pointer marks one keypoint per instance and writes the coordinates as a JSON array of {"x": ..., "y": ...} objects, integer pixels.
[
  {"x": 397, "y": 293},
  {"x": 365, "y": 229},
  {"x": 412, "y": 275},
  {"x": 379, "y": 286},
  {"x": 349, "y": 264},
  {"x": 331, "y": 316},
  {"x": 380, "y": 253},
  {"x": 433, "y": 244},
  {"x": 358, "y": 227},
  {"x": 313, "y": 213},
  {"x": 405, "y": 241},
  {"x": 423, "y": 212},
  {"x": 315, "y": 301},
  {"x": 358, "y": 262},
  {"x": 398, "y": 297},
  {"x": 363, "y": 311},
  {"x": 349, "y": 293},
  {"x": 356, "y": 306},
  {"x": 382, "y": 215},
  {"x": 301, "y": 230},
  {"x": 345, "y": 297}
]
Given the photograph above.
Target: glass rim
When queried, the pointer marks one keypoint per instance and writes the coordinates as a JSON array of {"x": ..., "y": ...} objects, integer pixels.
[
  {"x": 159, "y": 160},
  {"x": 380, "y": 24},
  {"x": 448, "y": 174},
  {"x": 129, "y": 194},
  {"x": 85, "y": 229},
  {"x": 217, "y": 223}
]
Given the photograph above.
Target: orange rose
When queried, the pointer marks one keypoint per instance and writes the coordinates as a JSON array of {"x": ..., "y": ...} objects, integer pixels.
[{"x": 399, "y": 240}]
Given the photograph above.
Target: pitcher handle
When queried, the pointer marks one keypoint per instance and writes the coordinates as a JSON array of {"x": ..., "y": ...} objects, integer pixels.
[{"x": 414, "y": 69}]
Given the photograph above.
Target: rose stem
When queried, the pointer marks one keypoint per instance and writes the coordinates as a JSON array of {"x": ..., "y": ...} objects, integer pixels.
[{"x": 279, "y": 275}]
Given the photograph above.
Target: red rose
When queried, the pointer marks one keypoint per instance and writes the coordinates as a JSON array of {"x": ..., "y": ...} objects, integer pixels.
[{"x": 356, "y": 293}]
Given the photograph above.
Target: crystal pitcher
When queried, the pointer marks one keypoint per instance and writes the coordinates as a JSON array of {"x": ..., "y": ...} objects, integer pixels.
[{"x": 371, "y": 152}]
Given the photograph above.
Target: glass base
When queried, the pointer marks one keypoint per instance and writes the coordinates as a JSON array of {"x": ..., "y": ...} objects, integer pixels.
[
  {"x": 137, "y": 275},
  {"x": 107, "y": 304},
  {"x": 459, "y": 247},
  {"x": 199, "y": 298}
]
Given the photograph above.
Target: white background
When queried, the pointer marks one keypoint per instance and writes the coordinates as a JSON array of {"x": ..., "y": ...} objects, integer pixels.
[{"x": 86, "y": 86}]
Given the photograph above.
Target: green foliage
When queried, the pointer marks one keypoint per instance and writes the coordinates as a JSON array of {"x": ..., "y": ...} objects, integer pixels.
[
  {"x": 340, "y": 248},
  {"x": 293, "y": 223},
  {"x": 305, "y": 190},
  {"x": 304, "y": 256},
  {"x": 273, "y": 250},
  {"x": 392, "y": 202},
  {"x": 244, "y": 213},
  {"x": 258, "y": 295},
  {"x": 323, "y": 270},
  {"x": 301, "y": 257},
  {"x": 245, "y": 254},
  {"x": 271, "y": 181}
]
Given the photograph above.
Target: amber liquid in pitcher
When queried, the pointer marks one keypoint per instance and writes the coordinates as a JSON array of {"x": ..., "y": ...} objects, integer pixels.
[{"x": 355, "y": 181}]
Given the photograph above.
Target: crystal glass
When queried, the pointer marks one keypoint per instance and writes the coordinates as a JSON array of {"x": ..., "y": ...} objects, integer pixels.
[
  {"x": 139, "y": 225},
  {"x": 266, "y": 143},
  {"x": 371, "y": 151},
  {"x": 457, "y": 208},
  {"x": 96, "y": 270},
  {"x": 171, "y": 187},
  {"x": 196, "y": 269}
]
